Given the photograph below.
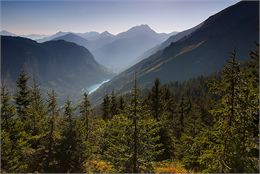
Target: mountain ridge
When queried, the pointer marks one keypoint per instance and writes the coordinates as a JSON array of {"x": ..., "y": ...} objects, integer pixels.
[
  {"x": 118, "y": 51},
  {"x": 203, "y": 52},
  {"x": 61, "y": 65}
]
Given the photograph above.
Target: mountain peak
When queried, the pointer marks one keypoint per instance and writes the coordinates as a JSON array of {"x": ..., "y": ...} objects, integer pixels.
[
  {"x": 60, "y": 32},
  {"x": 142, "y": 27},
  {"x": 106, "y": 33},
  {"x": 138, "y": 30}
]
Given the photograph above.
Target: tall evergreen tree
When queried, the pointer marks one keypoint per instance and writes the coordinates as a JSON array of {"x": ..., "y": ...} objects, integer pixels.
[
  {"x": 134, "y": 103},
  {"x": 7, "y": 110},
  {"x": 114, "y": 105},
  {"x": 183, "y": 108},
  {"x": 106, "y": 107},
  {"x": 232, "y": 135},
  {"x": 51, "y": 137},
  {"x": 7, "y": 126},
  {"x": 37, "y": 113},
  {"x": 85, "y": 111},
  {"x": 85, "y": 129},
  {"x": 69, "y": 146},
  {"x": 121, "y": 103},
  {"x": 23, "y": 96},
  {"x": 37, "y": 110},
  {"x": 133, "y": 138},
  {"x": 155, "y": 98}
]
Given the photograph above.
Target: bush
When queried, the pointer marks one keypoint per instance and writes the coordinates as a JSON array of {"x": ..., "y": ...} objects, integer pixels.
[{"x": 98, "y": 166}]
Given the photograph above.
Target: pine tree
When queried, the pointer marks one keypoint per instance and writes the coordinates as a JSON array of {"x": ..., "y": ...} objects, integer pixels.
[
  {"x": 121, "y": 104},
  {"x": 155, "y": 98},
  {"x": 132, "y": 138},
  {"x": 247, "y": 122},
  {"x": 85, "y": 128},
  {"x": 113, "y": 107},
  {"x": 37, "y": 110},
  {"x": 14, "y": 140},
  {"x": 7, "y": 126},
  {"x": 134, "y": 103},
  {"x": 37, "y": 113},
  {"x": 191, "y": 138},
  {"x": 106, "y": 108},
  {"x": 85, "y": 111},
  {"x": 69, "y": 146},
  {"x": 7, "y": 110},
  {"x": 183, "y": 109},
  {"x": 23, "y": 96},
  {"x": 51, "y": 137},
  {"x": 232, "y": 136},
  {"x": 21, "y": 131},
  {"x": 15, "y": 149}
]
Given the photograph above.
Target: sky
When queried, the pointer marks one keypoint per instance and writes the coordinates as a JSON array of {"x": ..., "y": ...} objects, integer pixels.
[{"x": 49, "y": 17}]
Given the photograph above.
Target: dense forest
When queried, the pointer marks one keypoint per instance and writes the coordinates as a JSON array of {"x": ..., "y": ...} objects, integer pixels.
[{"x": 206, "y": 124}]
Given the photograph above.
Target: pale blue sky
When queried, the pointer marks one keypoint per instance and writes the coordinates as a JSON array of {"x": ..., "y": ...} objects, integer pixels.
[{"x": 48, "y": 17}]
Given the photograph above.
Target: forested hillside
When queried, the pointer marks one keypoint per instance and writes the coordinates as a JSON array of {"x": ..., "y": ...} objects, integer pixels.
[{"x": 206, "y": 124}]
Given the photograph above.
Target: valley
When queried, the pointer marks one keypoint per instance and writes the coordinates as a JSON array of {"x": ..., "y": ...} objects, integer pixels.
[{"x": 130, "y": 87}]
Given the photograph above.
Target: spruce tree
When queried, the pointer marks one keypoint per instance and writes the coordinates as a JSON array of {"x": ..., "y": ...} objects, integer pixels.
[
  {"x": 106, "y": 108},
  {"x": 37, "y": 113},
  {"x": 85, "y": 111},
  {"x": 232, "y": 133},
  {"x": 155, "y": 98},
  {"x": 69, "y": 146},
  {"x": 121, "y": 103},
  {"x": 51, "y": 137},
  {"x": 7, "y": 110},
  {"x": 7, "y": 127},
  {"x": 113, "y": 106},
  {"x": 85, "y": 128},
  {"x": 134, "y": 103},
  {"x": 132, "y": 137},
  {"x": 23, "y": 96}
]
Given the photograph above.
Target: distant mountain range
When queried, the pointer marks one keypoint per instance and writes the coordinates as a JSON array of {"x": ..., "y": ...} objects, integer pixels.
[
  {"x": 125, "y": 47},
  {"x": 63, "y": 66},
  {"x": 203, "y": 50},
  {"x": 29, "y": 36},
  {"x": 114, "y": 51},
  {"x": 34, "y": 36}
]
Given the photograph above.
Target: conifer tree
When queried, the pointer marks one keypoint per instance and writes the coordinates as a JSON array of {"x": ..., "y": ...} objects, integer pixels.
[
  {"x": 155, "y": 98},
  {"x": 37, "y": 113},
  {"x": 106, "y": 107},
  {"x": 132, "y": 138},
  {"x": 23, "y": 96},
  {"x": 85, "y": 128},
  {"x": 85, "y": 111},
  {"x": 121, "y": 103},
  {"x": 183, "y": 109},
  {"x": 113, "y": 107},
  {"x": 232, "y": 135},
  {"x": 7, "y": 110},
  {"x": 37, "y": 110},
  {"x": 69, "y": 146},
  {"x": 7, "y": 127},
  {"x": 21, "y": 131},
  {"x": 51, "y": 137},
  {"x": 134, "y": 103}
]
